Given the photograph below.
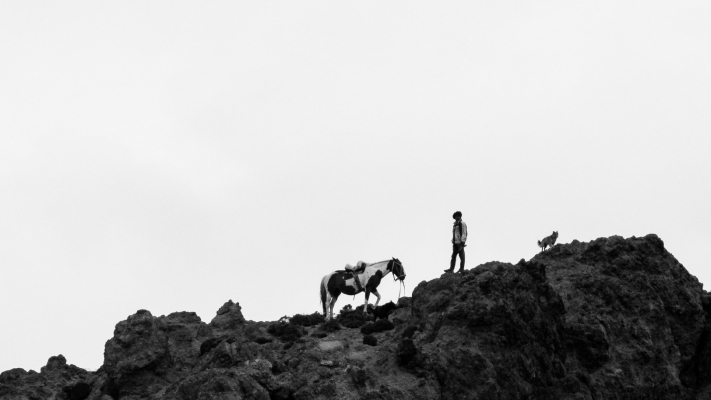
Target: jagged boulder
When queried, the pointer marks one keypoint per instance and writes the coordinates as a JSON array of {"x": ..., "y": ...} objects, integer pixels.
[
  {"x": 55, "y": 380},
  {"x": 634, "y": 317},
  {"x": 148, "y": 353},
  {"x": 228, "y": 319},
  {"x": 613, "y": 318},
  {"x": 151, "y": 356},
  {"x": 493, "y": 332}
]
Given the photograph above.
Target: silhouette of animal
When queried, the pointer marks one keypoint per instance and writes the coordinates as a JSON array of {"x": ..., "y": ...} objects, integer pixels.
[
  {"x": 548, "y": 241},
  {"x": 341, "y": 281},
  {"x": 383, "y": 311}
]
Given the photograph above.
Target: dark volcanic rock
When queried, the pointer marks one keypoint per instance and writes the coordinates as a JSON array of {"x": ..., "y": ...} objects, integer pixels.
[
  {"x": 225, "y": 383},
  {"x": 285, "y": 332},
  {"x": 611, "y": 319},
  {"x": 370, "y": 340},
  {"x": 56, "y": 379},
  {"x": 493, "y": 332},
  {"x": 306, "y": 320},
  {"x": 180, "y": 355},
  {"x": 229, "y": 318},
  {"x": 351, "y": 318},
  {"x": 633, "y": 319},
  {"x": 380, "y": 325},
  {"x": 403, "y": 302},
  {"x": 147, "y": 353}
]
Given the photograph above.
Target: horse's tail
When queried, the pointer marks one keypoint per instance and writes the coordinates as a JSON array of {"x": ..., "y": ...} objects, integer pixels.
[{"x": 324, "y": 282}]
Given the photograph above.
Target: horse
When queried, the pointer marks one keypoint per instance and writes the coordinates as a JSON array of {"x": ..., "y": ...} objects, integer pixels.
[{"x": 337, "y": 282}]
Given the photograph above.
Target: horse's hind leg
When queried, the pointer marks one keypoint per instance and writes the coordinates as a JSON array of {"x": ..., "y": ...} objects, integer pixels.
[
  {"x": 326, "y": 305},
  {"x": 365, "y": 305},
  {"x": 332, "y": 303}
]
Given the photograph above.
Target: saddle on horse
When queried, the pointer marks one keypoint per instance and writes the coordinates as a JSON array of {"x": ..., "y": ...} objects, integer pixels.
[{"x": 356, "y": 270}]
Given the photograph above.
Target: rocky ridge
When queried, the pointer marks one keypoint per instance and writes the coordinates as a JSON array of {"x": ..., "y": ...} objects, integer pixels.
[{"x": 613, "y": 318}]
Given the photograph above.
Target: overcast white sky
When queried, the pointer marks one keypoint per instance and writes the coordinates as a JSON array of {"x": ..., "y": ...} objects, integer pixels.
[{"x": 171, "y": 156}]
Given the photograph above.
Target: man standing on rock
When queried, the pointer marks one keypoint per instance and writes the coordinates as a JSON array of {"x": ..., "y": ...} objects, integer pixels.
[{"x": 459, "y": 238}]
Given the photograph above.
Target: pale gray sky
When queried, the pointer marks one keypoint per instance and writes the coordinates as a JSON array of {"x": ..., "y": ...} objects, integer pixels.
[{"x": 171, "y": 156}]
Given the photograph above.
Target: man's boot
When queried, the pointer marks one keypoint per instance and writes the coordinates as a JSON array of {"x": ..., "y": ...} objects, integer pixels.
[{"x": 451, "y": 265}]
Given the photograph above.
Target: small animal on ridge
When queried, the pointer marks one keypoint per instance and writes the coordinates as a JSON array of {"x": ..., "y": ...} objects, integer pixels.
[
  {"x": 548, "y": 241},
  {"x": 383, "y": 311}
]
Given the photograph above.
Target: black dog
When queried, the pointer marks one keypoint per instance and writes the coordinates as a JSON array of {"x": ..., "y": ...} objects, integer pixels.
[{"x": 383, "y": 311}]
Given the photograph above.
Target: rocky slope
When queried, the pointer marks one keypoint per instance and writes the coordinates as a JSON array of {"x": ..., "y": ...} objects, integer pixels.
[{"x": 610, "y": 319}]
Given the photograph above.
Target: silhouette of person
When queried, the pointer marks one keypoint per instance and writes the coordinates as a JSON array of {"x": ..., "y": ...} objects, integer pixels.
[{"x": 459, "y": 238}]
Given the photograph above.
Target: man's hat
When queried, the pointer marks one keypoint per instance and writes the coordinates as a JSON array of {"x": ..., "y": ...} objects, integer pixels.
[{"x": 457, "y": 213}]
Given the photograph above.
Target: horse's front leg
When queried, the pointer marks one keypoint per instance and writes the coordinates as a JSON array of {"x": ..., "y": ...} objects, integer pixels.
[{"x": 375, "y": 292}]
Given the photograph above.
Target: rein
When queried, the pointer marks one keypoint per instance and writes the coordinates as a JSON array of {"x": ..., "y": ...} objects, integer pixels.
[
  {"x": 402, "y": 282},
  {"x": 402, "y": 286}
]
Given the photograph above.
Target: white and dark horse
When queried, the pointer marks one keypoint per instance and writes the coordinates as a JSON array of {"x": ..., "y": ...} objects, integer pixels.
[{"x": 337, "y": 282}]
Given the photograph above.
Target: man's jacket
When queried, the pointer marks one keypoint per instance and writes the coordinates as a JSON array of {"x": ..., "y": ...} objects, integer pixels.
[{"x": 459, "y": 232}]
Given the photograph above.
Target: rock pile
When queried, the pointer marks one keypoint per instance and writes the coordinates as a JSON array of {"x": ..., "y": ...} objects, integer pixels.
[{"x": 610, "y": 319}]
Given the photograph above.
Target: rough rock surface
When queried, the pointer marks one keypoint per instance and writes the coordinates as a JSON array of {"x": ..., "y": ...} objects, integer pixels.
[
  {"x": 55, "y": 380},
  {"x": 610, "y": 319},
  {"x": 634, "y": 317}
]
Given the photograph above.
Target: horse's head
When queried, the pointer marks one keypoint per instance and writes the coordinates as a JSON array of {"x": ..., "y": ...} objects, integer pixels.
[{"x": 397, "y": 269}]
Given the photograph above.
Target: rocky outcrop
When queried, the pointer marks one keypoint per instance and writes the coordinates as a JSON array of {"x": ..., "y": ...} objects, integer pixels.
[
  {"x": 55, "y": 380},
  {"x": 494, "y": 332},
  {"x": 180, "y": 356},
  {"x": 613, "y": 318},
  {"x": 610, "y": 319},
  {"x": 148, "y": 353},
  {"x": 229, "y": 319},
  {"x": 634, "y": 317}
]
